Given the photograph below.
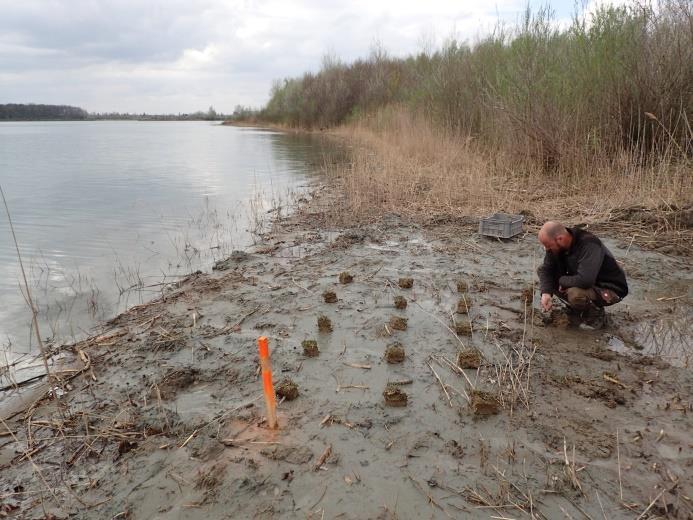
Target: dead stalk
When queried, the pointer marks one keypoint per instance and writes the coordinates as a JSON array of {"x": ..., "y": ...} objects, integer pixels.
[
  {"x": 34, "y": 311},
  {"x": 442, "y": 385}
]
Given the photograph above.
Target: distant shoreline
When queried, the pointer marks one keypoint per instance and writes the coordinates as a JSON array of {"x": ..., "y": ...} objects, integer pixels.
[{"x": 220, "y": 121}]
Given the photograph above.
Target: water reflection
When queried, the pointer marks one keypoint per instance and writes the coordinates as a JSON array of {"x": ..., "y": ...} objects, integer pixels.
[{"x": 104, "y": 211}]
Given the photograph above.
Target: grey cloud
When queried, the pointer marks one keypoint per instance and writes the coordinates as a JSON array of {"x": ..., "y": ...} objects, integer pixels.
[{"x": 183, "y": 55}]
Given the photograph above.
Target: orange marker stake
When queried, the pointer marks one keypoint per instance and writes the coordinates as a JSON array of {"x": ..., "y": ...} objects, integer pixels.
[{"x": 267, "y": 387}]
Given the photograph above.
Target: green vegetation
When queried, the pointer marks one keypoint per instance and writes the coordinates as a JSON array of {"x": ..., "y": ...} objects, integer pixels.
[{"x": 620, "y": 80}]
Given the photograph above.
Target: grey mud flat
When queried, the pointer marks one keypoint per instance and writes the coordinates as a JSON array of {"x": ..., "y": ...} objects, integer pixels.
[{"x": 167, "y": 422}]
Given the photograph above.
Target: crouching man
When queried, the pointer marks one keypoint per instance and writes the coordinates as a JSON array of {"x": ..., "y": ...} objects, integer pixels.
[{"x": 581, "y": 271}]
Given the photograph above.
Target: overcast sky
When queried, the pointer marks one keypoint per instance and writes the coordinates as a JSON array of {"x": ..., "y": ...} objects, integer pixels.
[{"x": 170, "y": 56}]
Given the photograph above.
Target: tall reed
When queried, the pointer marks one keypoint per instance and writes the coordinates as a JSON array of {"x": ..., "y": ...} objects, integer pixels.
[{"x": 561, "y": 100}]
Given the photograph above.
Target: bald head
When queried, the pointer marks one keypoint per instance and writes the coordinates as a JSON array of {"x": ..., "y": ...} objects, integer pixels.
[
  {"x": 555, "y": 237},
  {"x": 552, "y": 229}
]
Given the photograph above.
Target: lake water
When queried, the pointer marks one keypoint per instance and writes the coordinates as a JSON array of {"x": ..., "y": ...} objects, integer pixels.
[{"x": 102, "y": 209}]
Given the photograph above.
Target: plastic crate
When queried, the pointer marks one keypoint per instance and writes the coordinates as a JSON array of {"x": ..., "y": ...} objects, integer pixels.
[{"x": 501, "y": 225}]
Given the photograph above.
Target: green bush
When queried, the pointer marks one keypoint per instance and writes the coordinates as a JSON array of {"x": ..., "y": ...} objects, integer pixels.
[{"x": 621, "y": 79}]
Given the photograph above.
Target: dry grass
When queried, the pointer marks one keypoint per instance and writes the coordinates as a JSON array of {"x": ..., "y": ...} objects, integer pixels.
[{"x": 401, "y": 162}]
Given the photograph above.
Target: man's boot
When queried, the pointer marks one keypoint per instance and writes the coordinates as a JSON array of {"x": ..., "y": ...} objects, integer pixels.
[{"x": 593, "y": 318}]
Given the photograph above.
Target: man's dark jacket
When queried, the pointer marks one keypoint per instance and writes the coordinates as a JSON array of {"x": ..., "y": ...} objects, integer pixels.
[{"x": 588, "y": 263}]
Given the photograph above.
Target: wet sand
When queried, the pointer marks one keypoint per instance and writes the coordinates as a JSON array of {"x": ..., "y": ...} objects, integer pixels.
[{"x": 557, "y": 422}]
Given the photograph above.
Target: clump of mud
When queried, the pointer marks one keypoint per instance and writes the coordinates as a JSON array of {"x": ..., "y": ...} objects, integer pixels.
[
  {"x": 398, "y": 323},
  {"x": 469, "y": 358},
  {"x": 329, "y": 297},
  {"x": 406, "y": 283},
  {"x": 324, "y": 324},
  {"x": 395, "y": 396},
  {"x": 557, "y": 318},
  {"x": 484, "y": 403},
  {"x": 310, "y": 348},
  {"x": 527, "y": 295},
  {"x": 463, "y": 306},
  {"x": 400, "y": 302},
  {"x": 345, "y": 277},
  {"x": 463, "y": 328},
  {"x": 394, "y": 353},
  {"x": 462, "y": 286},
  {"x": 287, "y": 389}
]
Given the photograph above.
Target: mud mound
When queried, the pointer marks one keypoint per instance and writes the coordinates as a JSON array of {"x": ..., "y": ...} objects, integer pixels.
[
  {"x": 345, "y": 277},
  {"x": 310, "y": 348},
  {"x": 556, "y": 318},
  {"x": 469, "y": 358},
  {"x": 463, "y": 306},
  {"x": 406, "y": 283},
  {"x": 394, "y": 353},
  {"x": 400, "y": 302},
  {"x": 463, "y": 328},
  {"x": 484, "y": 403},
  {"x": 398, "y": 323},
  {"x": 329, "y": 297},
  {"x": 324, "y": 324},
  {"x": 287, "y": 389},
  {"x": 395, "y": 396}
]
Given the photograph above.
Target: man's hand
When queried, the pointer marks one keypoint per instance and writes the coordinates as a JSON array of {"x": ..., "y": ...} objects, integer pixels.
[{"x": 546, "y": 302}]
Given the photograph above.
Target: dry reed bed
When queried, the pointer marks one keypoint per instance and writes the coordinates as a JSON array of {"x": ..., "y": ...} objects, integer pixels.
[{"x": 401, "y": 162}]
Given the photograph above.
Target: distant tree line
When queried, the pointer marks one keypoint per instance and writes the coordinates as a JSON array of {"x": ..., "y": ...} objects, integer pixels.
[{"x": 33, "y": 112}]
